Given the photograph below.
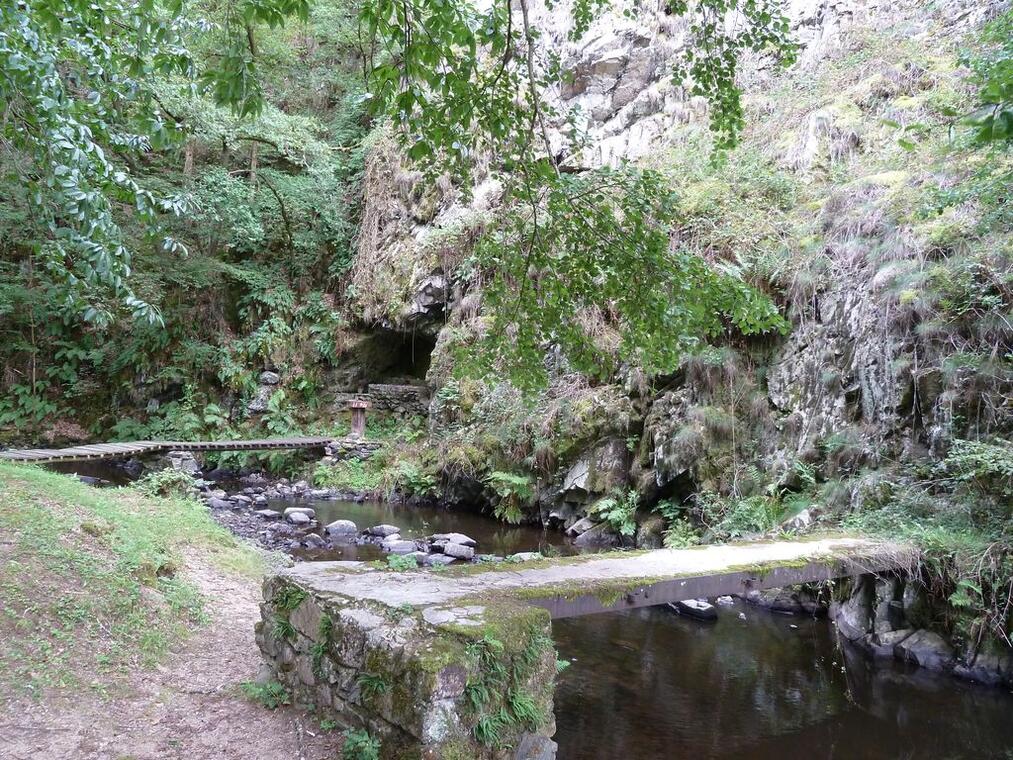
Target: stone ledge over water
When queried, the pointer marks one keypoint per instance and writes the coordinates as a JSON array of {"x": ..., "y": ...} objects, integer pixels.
[{"x": 440, "y": 681}]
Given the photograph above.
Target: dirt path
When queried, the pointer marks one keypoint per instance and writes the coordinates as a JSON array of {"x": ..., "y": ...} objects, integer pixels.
[{"x": 189, "y": 708}]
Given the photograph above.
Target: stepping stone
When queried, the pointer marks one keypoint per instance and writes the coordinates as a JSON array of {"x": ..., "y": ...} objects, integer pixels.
[
  {"x": 308, "y": 511},
  {"x": 455, "y": 538},
  {"x": 458, "y": 551},
  {"x": 696, "y": 608},
  {"x": 299, "y": 518},
  {"x": 341, "y": 528},
  {"x": 383, "y": 530},
  {"x": 268, "y": 514}
]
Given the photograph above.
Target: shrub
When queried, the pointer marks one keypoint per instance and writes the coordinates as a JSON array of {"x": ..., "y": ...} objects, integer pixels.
[
  {"x": 619, "y": 511},
  {"x": 271, "y": 695},
  {"x": 167, "y": 482},
  {"x": 401, "y": 562},
  {"x": 359, "y": 745},
  {"x": 984, "y": 468},
  {"x": 514, "y": 492}
]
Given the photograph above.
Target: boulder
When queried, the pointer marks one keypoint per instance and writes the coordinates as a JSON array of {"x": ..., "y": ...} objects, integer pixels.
[
  {"x": 313, "y": 541},
  {"x": 261, "y": 397},
  {"x": 383, "y": 530},
  {"x": 651, "y": 533},
  {"x": 308, "y": 511},
  {"x": 269, "y": 378},
  {"x": 455, "y": 538},
  {"x": 883, "y": 644},
  {"x": 534, "y": 747},
  {"x": 458, "y": 551},
  {"x": 341, "y": 528},
  {"x": 268, "y": 514},
  {"x": 438, "y": 560},
  {"x": 400, "y": 547},
  {"x": 581, "y": 526},
  {"x": 600, "y": 535},
  {"x": 219, "y": 503},
  {"x": 798, "y": 523},
  {"x": 926, "y": 649},
  {"x": 241, "y": 499}
]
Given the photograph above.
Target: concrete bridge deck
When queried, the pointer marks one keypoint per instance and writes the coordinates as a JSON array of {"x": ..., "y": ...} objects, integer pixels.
[
  {"x": 140, "y": 448},
  {"x": 571, "y": 586}
]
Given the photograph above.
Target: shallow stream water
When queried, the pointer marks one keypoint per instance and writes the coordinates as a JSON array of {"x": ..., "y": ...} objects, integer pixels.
[{"x": 493, "y": 537}]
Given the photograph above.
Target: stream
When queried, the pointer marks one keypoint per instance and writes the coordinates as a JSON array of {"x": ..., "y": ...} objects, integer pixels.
[{"x": 649, "y": 684}]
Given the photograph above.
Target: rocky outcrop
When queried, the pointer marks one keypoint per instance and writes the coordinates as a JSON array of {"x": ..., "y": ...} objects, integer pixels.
[{"x": 882, "y": 617}]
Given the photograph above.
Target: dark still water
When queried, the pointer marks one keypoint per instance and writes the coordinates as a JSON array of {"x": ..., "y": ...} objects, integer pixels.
[
  {"x": 650, "y": 684},
  {"x": 493, "y": 537}
]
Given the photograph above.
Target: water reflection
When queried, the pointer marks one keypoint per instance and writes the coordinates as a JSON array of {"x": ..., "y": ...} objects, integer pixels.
[{"x": 650, "y": 684}]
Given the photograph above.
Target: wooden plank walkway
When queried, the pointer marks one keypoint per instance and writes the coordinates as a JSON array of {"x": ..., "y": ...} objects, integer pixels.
[{"x": 135, "y": 448}]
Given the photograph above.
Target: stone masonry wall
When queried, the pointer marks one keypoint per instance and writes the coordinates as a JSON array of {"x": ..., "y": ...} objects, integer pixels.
[
  {"x": 433, "y": 683},
  {"x": 401, "y": 400}
]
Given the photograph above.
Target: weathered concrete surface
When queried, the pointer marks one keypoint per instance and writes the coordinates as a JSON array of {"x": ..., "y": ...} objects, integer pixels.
[{"x": 582, "y": 585}]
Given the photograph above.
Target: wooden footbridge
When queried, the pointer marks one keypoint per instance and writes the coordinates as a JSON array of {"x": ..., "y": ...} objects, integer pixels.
[{"x": 142, "y": 448}]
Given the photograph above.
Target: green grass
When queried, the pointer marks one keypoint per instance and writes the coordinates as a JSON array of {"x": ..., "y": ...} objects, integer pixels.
[{"x": 93, "y": 582}]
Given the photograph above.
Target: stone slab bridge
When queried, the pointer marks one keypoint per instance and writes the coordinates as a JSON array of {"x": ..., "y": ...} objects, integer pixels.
[
  {"x": 143, "y": 448},
  {"x": 459, "y": 662}
]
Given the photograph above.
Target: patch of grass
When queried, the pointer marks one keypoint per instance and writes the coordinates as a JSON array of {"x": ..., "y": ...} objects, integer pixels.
[
  {"x": 271, "y": 695},
  {"x": 92, "y": 581}
]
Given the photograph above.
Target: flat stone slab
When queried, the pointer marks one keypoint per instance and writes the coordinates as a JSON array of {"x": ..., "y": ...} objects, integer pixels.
[{"x": 619, "y": 580}]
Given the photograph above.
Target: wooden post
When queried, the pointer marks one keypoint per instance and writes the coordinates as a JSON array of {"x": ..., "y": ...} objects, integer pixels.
[{"x": 358, "y": 407}]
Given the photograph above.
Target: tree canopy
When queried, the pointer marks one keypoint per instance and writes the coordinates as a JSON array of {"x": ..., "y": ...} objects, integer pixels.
[{"x": 92, "y": 86}]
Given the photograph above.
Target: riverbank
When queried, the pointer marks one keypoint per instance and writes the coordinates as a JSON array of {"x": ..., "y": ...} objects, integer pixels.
[{"x": 127, "y": 623}]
